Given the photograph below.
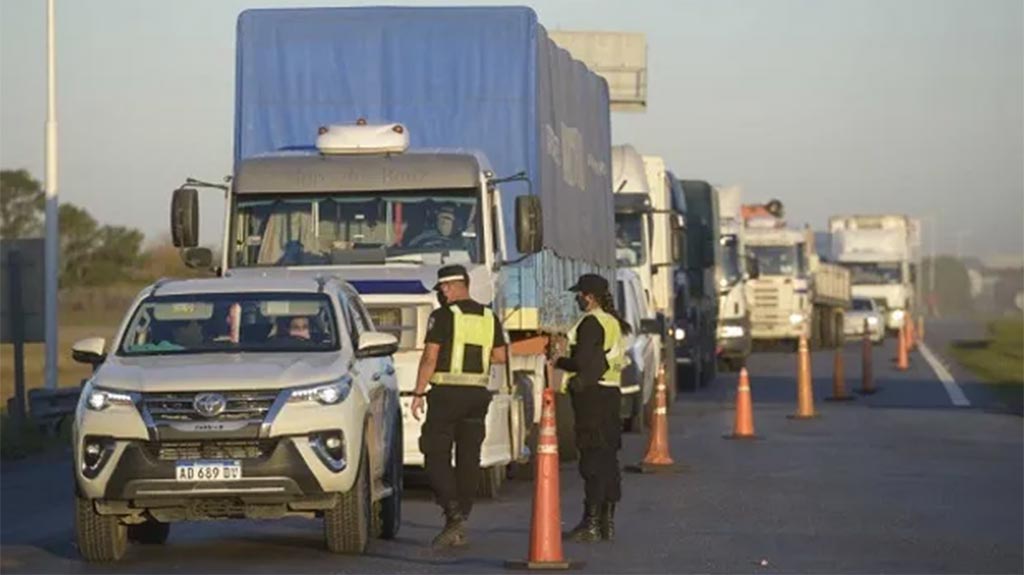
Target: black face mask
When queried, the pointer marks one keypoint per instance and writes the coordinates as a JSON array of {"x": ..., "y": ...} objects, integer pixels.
[
  {"x": 581, "y": 302},
  {"x": 441, "y": 299}
]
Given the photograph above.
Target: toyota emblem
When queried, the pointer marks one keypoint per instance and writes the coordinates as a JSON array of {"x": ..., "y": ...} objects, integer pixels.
[{"x": 209, "y": 404}]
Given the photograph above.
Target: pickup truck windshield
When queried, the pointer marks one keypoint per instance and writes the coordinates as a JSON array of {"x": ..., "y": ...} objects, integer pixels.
[
  {"x": 433, "y": 227},
  {"x": 208, "y": 323},
  {"x": 629, "y": 240},
  {"x": 778, "y": 260},
  {"x": 874, "y": 273}
]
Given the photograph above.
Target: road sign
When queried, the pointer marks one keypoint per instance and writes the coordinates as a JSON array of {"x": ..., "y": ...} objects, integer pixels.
[{"x": 21, "y": 261}]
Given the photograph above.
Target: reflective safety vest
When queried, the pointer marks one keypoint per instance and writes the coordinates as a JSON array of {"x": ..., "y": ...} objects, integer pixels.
[
  {"x": 614, "y": 347},
  {"x": 468, "y": 329}
]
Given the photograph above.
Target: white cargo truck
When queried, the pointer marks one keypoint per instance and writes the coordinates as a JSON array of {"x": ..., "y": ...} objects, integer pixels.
[
  {"x": 881, "y": 252},
  {"x": 734, "y": 340},
  {"x": 795, "y": 294}
]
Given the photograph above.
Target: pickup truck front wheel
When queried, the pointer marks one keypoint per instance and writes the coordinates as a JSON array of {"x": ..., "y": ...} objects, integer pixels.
[
  {"x": 347, "y": 524},
  {"x": 101, "y": 538}
]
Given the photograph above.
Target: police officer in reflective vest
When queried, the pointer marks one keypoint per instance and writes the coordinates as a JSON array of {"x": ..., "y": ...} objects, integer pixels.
[
  {"x": 594, "y": 368},
  {"x": 463, "y": 339}
]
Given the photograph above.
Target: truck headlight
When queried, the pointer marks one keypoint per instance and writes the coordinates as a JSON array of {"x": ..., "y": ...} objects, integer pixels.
[
  {"x": 872, "y": 320},
  {"x": 897, "y": 314},
  {"x": 325, "y": 393},
  {"x": 795, "y": 318},
  {"x": 99, "y": 399},
  {"x": 732, "y": 331},
  {"x": 679, "y": 333}
]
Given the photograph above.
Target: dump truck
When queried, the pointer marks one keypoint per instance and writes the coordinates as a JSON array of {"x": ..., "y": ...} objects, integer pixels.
[{"x": 796, "y": 294}]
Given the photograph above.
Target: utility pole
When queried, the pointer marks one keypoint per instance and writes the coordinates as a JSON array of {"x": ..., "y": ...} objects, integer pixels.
[{"x": 52, "y": 241}]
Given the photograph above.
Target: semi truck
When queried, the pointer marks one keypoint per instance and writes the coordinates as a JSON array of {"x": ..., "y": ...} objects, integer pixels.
[
  {"x": 734, "y": 341},
  {"x": 881, "y": 252},
  {"x": 648, "y": 236},
  {"x": 695, "y": 335},
  {"x": 379, "y": 144},
  {"x": 796, "y": 294}
]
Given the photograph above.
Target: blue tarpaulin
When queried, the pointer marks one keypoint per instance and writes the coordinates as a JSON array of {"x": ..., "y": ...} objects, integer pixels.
[{"x": 484, "y": 78}]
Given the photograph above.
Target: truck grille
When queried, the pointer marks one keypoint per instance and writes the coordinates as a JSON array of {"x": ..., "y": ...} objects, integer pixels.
[
  {"x": 240, "y": 406},
  {"x": 766, "y": 297},
  {"x": 399, "y": 321},
  {"x": 215, "y": 449}
]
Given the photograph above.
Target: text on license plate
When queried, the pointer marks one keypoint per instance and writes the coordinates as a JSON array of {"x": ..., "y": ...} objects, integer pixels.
[{"x": 227, "y": 470}]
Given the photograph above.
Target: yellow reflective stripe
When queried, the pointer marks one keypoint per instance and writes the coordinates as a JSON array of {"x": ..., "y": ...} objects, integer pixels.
[
  {"x": 614, "y": 352},
  {"x": 471, "y": 379}
]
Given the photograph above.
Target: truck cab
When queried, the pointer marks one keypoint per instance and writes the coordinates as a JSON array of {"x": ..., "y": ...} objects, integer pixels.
[
  {"x": 363, "y": 206},
  {"x": 734, "y": 340}
]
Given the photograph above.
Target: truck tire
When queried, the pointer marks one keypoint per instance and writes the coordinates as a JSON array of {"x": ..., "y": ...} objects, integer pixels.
[
  {"x": 523, "y": 388},
  {"x": 152, "y": 532},
  {"x": 491, "y": 480},
  {"x": 390, "y": 514},
  {"x": 347, "y": 525},
  {"x": 565, "y": 421},
  {"x": 101, "y": 538}
]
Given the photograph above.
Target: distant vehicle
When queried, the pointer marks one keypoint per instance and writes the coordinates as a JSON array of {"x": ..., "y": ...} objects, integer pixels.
[
  {"x": 795, "y": 294},
  {"x": 642, "y": 351},
  {"x": 696, "y": 334},
  {"x": 864, "y": 309},
  {"x": 882, "y": 253},
  {"x": 734, "y": 339},
  {"x": 239, "y": 398},
  {"x": 420, "y": 160}
]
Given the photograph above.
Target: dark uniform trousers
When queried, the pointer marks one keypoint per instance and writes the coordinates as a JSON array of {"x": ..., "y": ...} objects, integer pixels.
[
  {"x": 598, "y": 439},
  {"x": 455, "y": 414}
]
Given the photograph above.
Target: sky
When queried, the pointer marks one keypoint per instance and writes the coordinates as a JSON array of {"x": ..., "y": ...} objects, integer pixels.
[{"x": 832, "y": 106}]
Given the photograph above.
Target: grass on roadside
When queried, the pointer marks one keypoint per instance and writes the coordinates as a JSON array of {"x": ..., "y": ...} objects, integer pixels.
[{"x": 999, "y": 359}]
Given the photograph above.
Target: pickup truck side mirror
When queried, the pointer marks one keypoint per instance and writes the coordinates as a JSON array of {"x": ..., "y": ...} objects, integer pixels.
[
  {"x": 376, "y": 344},
  {"x": 89, "y": 351},
  {"x": 185, "y": 218},
  {"x": 529, "y": 225}
]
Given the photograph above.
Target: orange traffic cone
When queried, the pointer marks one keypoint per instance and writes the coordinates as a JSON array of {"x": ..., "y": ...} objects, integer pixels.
[
  {"x": 902, "y": 362},
  {"x": 804, "y": 391},
  {"x": 657, "y": 459},
  {"x": 546, "y": 527},
  {"x": 867, "y": 375},
  {"x": 744, "y": 428},
  {"x": 839, "y": 378}
]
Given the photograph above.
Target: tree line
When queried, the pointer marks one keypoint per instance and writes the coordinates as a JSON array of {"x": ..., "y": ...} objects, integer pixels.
[{"x": 91, "y": 254}]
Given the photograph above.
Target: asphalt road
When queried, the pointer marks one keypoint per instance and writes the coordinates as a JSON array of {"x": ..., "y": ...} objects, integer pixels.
[{"x": 898, "y": 482}]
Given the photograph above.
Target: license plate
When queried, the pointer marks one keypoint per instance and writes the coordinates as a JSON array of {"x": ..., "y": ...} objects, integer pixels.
[{"x": 217, "y": 470}]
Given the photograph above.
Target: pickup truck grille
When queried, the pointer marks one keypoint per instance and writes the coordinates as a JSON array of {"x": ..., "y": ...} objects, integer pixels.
[
  {"x": 178, "y": 406},
  {"x": 217, "y": 449}
]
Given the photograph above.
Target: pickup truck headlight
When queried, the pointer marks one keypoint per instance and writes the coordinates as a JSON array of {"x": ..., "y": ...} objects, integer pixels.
[
  {"x": 98, "y": 399},
  {"x": 732, "y": 331},
  {"x": 795, "y": 318},
  {"x": 326, "y": 393}
]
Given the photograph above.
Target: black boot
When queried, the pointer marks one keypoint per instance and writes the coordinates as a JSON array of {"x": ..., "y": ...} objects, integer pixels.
[
  {"x": 589, "y": 528},
  {"x": 454, "y": 532},
  {"x": 608, "y": 521}
]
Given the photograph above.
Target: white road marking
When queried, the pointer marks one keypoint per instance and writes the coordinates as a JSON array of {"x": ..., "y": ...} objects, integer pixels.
[{"x": 956, "y": 395}]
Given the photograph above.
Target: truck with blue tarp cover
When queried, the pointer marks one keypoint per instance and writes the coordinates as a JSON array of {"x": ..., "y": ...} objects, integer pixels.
[{"x": 379, "y": 144}]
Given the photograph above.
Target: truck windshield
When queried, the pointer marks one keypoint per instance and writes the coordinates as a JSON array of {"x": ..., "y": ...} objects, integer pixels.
[
  {"x": 431, "y": 227},
  {"x": 207, "y": 323},
  {"x": 629, "y": 240},
  {"x": 778, "y": 260},
  {"x": 731, "y": 270},
  {"x": 874, "y": 273}
]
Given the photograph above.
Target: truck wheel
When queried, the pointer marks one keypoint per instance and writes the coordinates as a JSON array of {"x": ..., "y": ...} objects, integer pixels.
[
  {"x": 565, "y": 421},
  {"x": 152, "y": 532},
  {"x": 347, "y": 524},
  {"x": 101, "y": 538},
  {"x": 391, "y": 507},
  {"x": 491, "y": 480}
]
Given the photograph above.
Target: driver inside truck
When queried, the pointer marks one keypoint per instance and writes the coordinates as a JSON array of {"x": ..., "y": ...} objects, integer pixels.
[
  {"x": 442, "y": 233},
  {"x": 296, "y": 328}
]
